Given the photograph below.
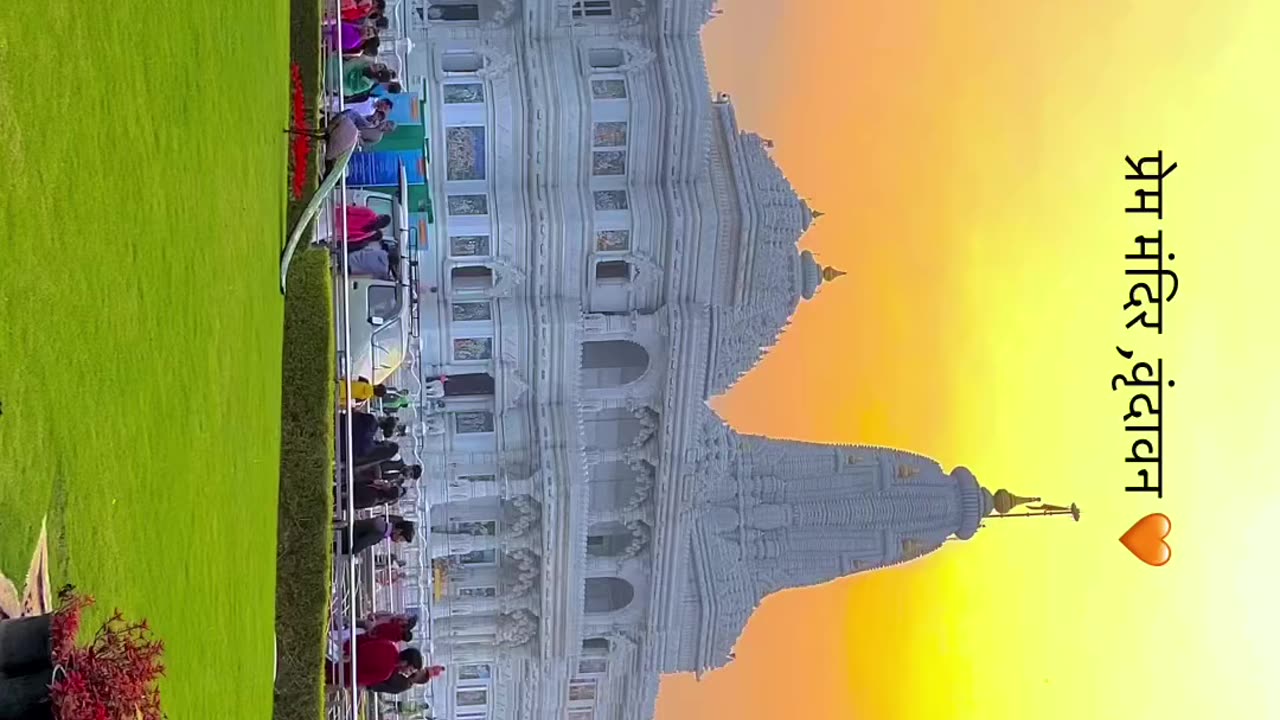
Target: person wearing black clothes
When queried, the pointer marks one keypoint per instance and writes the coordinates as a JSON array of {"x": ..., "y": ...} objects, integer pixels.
[
  {"x": 401, "y": 682},
  {"x": 369, "y": 495},
  {"x": 378, "y": 454},
  {"x": 371, "y": 531},
  {"x": 397, "y": 471},
  {"x": 364, "y": 434}
]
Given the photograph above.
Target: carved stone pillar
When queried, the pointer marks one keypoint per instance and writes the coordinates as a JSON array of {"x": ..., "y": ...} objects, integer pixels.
[
  {"x": 460, "y": 489},
  {"x": 650, "y": 322},
  {"x": 522, "y": 486},
  {"x": 443, "y": 545},
  {"x": 465, "y": 628},
  {"x": 460, "y": 606}
]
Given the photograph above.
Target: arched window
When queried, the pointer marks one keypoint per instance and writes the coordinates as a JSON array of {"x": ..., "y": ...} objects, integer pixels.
[
  {"x": 611, "y": 363},
  {"x": 609, "y": 539},
  {"x": 608, "y": 594}
]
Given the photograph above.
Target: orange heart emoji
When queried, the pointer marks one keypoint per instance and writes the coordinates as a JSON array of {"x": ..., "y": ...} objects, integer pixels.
[{"x": 1146, "y": 539}]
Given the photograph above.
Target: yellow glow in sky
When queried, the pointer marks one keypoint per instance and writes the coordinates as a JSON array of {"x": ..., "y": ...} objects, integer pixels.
[{"x": 969, "y": 158}]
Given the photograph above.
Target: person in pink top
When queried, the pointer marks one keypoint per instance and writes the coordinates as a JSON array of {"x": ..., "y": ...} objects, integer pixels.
[
  {"x": 360, "y": 218},
  {"x": 363, "y": 225}
]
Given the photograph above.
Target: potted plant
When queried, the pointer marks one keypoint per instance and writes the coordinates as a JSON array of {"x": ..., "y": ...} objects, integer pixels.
[{"x": 46, "y": 673}]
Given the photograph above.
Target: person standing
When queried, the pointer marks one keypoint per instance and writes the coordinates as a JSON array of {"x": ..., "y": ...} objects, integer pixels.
[
  {"x": 376, "y": 662},
  {"x": 368, "y": 532},
  {"x": 362, "y": 391}
]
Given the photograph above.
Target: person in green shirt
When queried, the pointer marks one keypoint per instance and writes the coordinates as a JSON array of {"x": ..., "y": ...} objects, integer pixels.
[
  {"x": 360, "y": 75},
  {"x": 396, "y": 401}
]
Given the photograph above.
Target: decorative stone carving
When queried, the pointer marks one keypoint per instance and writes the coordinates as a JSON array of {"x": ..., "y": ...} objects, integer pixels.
[
  {"x": 524, "y": 567},
  {"x": 497, "y": 63},
  {"x": 645, "y": 474},
  {"x": 505, "y": 9},
  {"x": 514, "y": 383},
  {"x": 516, "y": 628},
  {"x": 620, "y": 636},
  {"x": 525, "y": 512},
  {"x": 650, "y": 422},
  {"x": 638, "y": 56},
  {"x": 636, "y": 15},
  {"x": 640, "y": 536},
  {"x": 509, "y": 277},
  {"x": 647, "y": 271}
]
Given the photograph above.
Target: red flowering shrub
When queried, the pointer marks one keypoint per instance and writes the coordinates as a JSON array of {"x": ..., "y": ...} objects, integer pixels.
[
  {"x": 301, "y": 146},
  {"x": 114, "y": 676}
]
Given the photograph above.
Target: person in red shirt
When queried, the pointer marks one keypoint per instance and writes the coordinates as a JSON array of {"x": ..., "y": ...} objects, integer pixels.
[
  {"x": 357, "y": 10},
  {"x": 376, "y": 661}
]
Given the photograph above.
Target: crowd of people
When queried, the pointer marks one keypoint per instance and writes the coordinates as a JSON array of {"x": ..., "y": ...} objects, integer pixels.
[
  {"x": 358, "y": 116},
  {"x": 380, "y": 475},
  {"x": 383, "y": 662},
  {"x": 363, "y": 82}
]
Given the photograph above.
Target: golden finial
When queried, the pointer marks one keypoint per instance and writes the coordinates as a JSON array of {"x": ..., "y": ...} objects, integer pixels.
[
  {"x": 1038, "y": 510},
  {"x": 1005, "y": 501},
  {"x": 829, "y": 273}
]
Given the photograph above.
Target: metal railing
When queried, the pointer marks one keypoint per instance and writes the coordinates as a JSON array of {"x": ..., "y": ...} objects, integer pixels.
[{"x": 356, "y": 588}]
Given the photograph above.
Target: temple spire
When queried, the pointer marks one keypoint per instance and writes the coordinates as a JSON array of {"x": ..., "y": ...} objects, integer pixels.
[
  {"x": 1004, "y": 501},
  {"x": 829, "y": 273}
]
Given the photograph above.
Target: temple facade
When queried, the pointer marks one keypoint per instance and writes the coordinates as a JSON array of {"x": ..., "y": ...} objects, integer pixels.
[{"x": 608, "y": 251}]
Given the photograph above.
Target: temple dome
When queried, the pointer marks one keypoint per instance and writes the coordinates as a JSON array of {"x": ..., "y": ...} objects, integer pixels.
[
  {"x": 813, "y": 275},
  {"x": 775, "y": 275},
  {"x": 976, "y": 502}
]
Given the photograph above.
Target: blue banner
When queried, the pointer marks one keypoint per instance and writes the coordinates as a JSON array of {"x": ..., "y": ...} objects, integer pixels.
[
  {"x": 383, "y": 168},
  {"x": 406, "y": 109}
]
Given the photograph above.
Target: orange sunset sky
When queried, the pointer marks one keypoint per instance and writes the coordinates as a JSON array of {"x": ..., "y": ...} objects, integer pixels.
[{"x": 969, "y": 157}]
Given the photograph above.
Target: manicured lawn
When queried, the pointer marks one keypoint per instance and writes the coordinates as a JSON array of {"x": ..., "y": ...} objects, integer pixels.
[{"x": 141, "y": 214}]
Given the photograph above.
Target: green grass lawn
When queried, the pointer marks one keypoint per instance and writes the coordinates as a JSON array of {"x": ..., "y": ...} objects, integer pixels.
[{"x": 141, "y": 214}]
